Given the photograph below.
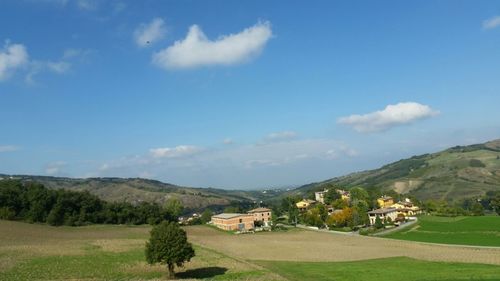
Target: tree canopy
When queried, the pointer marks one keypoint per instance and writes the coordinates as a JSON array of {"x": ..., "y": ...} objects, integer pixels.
[{"x": 168, "y": 245}]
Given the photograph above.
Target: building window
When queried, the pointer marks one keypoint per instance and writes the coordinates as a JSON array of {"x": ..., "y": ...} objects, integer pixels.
[{"x": 241, "y": 220}]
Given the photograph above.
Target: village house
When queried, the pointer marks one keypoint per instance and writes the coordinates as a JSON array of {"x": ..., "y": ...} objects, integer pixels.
[
  {"x": 344, "y": 194},
  {"x": 383, "y": 213},
  {"x": 234, "y": 221},
  {"x": 406, "y": 208},
  {"x": 261, "y": 215},
  {"x": 385, "y": 201},
  {"x": 320, "y": 196},
  {"x": 303, "y": 205}
]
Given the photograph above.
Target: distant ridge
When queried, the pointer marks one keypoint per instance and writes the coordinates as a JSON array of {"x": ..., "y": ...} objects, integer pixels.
[
  {"x": 135, "y": 190},
  {"x": 452, "y": 174}
]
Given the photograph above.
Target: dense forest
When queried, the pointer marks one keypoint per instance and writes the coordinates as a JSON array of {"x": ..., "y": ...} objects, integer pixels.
[{"x": 33, "y": 202}]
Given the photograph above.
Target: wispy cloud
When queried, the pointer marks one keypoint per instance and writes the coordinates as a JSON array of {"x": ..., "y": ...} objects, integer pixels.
[
  {"x": 87, "y": 5},
  {"x": 197, "y": 50},
  {"x": 55, "y": 168},
  {"x": 12, "y": 57},
  {"x": 391, "y": 116},
  {"x": 174, "y": 152},
  {"x": 147, "y": 34},
  {"x": 280, "y": 137},
  {"x": 8, "y": 148},
  {"x": 491, "y": 22}
]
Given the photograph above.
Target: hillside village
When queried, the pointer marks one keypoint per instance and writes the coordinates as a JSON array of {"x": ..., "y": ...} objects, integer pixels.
[{"x": 388, "y": 214}]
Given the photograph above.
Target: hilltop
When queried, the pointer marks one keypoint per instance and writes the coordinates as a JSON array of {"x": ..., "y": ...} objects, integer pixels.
[
  {"x": 453, "y": 174},
  {"x": 135, "y": 190}
]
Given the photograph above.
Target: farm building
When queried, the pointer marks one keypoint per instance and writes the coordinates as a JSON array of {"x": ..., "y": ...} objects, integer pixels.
[
  {"x": 234, "y": 221},
  {"x": 262, "y": 215},
  {"x": 383, "y": 214}
]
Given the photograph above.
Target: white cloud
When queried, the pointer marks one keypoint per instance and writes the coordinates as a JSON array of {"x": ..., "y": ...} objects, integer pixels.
[
  {"x": 8, "y": 148},
  {"x": 491, "y": 23},
  {"x": 147, "y": 34},
  {"x": 228, "y": 141},
  {"x": 12, "y": 57},
  {"x": 280, "y": 136},
  {"x": 55, "y": 168},
  {"x": 391, "y": 116},
  {"x": 175, "y": 152},
  {"x": 59, "y": 67},
  {"x": 197, "y": 50}
]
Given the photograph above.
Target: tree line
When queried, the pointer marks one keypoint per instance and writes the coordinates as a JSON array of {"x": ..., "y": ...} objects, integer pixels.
[{"x": 33, "y": 202}]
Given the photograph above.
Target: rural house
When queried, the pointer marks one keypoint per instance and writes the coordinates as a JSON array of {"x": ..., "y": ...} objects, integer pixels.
[
  {"x": 261, "y": 215},
  {"x": 233, "y": 221},
  {"x": 406, "y": 208},
  {"x": 320, "y": 196},
  {"x": 304, "y": 204},
  {"x": 383, "y": 214}
]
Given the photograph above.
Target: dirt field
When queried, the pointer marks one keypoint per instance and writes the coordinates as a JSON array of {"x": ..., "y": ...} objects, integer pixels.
[{"x": 303, "y": 245}]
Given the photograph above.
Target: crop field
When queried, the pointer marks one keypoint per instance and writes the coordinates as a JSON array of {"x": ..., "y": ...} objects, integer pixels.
[
  {"x": 482, "y": 231},
  {"x": 40, "y": 252},
  {"x": 312, "y": 246}
]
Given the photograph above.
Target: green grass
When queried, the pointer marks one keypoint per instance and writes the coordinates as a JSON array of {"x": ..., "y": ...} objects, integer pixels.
[
  {"x": 400, "y": 268},
  {"x": 479, "y": 231},
  {"x": 41, "y": 252}
]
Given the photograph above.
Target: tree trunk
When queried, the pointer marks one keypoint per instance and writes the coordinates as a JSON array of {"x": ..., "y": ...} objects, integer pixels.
[{"x": 171, "y": 274}]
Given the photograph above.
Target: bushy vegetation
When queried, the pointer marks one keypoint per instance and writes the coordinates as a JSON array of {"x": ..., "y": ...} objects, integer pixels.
[{"x": 32, "y": 202}]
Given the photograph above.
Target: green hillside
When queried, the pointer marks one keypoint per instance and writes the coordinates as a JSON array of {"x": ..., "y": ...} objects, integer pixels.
[
  {"x": 453, "y": 174},
  {"x": 135, "y": 190}
]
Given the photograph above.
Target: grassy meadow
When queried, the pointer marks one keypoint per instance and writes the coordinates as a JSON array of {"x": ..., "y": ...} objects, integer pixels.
[
  {"x": 41, "y": 252},
  {"x": 478, "y": 231},
  {"x": 111, "y": 252},
  {"x": 398, "y": 268}
]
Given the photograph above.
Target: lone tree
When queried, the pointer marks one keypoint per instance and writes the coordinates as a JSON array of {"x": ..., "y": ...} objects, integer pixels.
[{"x": 168, "y": 245}]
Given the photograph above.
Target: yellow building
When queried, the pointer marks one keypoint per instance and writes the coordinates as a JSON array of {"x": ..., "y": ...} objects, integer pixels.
[
  {"x": 385, "y": 201},
  {"x": 304, "y": 204},
  {"x": 406, "y": 208}
]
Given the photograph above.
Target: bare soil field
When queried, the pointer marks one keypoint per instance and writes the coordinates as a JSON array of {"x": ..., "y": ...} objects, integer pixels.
[{"x": 304, "y": 245}]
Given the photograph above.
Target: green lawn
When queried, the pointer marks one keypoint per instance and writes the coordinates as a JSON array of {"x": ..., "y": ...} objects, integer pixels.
[
  {"x": 390, "y": 269},
  {"x": 480, "y": 231}
]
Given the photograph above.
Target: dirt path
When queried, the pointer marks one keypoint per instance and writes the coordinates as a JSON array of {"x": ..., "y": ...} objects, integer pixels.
[{"x": 302, "y": 245}]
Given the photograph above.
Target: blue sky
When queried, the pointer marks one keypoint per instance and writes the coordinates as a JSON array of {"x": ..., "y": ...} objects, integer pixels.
[{"x": 242, "y": 95}]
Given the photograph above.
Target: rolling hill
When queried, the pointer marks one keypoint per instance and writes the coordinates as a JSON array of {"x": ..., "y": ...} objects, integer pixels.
[
  {"x": 453, "y": 174},
  {"x": 135, "y": 190}
]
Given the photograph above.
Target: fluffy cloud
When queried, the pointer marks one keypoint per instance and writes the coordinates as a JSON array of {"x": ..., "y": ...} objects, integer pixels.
[
  {"x": 391, "y": 116},
  {"x": 87, "y": 5},
  {"x": 197, "y": 50},
  {"x": 147, "y": 34},
  {"x": 12, "y": 56},
  {"x": 8, "y": 148},
  {"x": 175, "y": 152},
  {"x": 491, "y": 23}
]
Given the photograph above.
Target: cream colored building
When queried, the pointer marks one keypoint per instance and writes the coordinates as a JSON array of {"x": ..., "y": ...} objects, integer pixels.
[
  {"x": 383, "y": 214},
  {"x": 406, "y": 208},
  {"x": 233, "y": 221},
  {"x": 261, "y": 215}
]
